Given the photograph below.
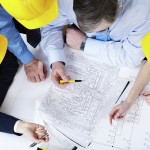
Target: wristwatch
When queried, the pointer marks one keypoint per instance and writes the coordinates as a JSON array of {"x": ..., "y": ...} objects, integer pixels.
[{"x": 83, "y": 45}]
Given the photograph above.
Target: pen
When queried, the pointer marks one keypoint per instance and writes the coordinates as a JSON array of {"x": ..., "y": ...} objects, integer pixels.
[
  {"x": 33, "y": 144},
  {"x": 123, "y": 91},
  {"x": 42, "y": 148},
  {"x": 69, "y": 81}
]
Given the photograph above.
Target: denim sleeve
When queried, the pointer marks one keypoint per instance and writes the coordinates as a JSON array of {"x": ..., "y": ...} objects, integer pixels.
[{"x": 15, "y": 42}]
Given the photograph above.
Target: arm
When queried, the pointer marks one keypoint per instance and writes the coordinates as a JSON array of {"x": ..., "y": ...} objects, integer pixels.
[
  {"x": 7, "y": 123},
  {"x": 35, "y": 69},
  {"x": 142, "y": 79},
  {"x": 121, "y": 54},
  {"x": 127, "y": 52},
  {"x": 15, "y": 42},
  {"x": 12, "y": 125},
  {"x": 52, "y": 44}
]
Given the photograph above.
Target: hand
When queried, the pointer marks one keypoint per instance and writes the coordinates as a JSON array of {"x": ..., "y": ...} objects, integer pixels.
[
  {"x": 59, "y": 73},
  {"x": 36, "y": 71},
  {"x": 74, "y": 38},
  {"x": 146, "y": 97},
  {"x": 119, "y": 111},
  {"x": 32, "y": 131}
]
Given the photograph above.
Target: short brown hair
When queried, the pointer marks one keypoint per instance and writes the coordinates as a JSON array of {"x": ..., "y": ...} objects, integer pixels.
[{"x": 90, "y": 13}]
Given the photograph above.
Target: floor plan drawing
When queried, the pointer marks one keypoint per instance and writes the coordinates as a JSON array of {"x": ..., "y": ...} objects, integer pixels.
[
  {"x": 81, "y": 111},
  {"x": 76, "y": 109},
  {"x": 131, "y": 133}
]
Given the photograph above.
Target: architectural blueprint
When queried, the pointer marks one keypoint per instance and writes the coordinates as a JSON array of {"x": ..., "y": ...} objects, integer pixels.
[
  {"x": 76, "y": 110},
  {"x": 131, "y": 133}
]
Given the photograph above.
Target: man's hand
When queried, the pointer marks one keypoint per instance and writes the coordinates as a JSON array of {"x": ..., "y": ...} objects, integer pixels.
[
  {"x": 33, "y": 131},
  {"x": 119, "y": 111},
  {"x": 36, "y": 71},
  {"x": 74, "y": 38},
  {"x": 59, "y": 73}
]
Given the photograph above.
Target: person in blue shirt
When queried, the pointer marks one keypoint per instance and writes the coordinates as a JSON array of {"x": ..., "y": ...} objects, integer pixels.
[
  {"x": 32, "y": 15},
  {"x": 34, "y": 68},
  {"x": 8, "y": 69}
]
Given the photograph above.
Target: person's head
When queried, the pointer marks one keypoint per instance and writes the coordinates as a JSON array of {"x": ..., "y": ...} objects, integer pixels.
[
  {"x": 32, "y": 13},
  {"x": 95, "y": 15}
]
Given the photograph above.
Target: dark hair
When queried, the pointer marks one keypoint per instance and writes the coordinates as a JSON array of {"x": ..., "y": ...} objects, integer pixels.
[{"x": 90, "y": 13}]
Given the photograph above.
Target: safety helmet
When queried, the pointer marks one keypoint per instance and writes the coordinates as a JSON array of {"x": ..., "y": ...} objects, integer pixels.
[
  {"x": 32, "y": 13},
  {"x": 3, "y": 47},
  {"x": 146, "y": 46}
]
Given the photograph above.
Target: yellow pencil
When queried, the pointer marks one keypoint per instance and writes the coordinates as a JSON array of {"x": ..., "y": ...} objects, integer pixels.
[{"x": 69, "y": 81}]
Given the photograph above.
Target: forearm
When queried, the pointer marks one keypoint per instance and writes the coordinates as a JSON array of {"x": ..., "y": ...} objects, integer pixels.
[
  {"x": 142, "y": 79},
  {"x": 15, "y": 43},
  {"x": 119, "y": 54},
  {"x": 7, "y": 123},
  {"x": 52, "y": 43}
]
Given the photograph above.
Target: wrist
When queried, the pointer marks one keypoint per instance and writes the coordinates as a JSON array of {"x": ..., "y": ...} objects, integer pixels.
[
  {"x": 82, "y": 46},
  {"x": 53, "y": 65},
  {"x": 32, "y": 61},
  {"x": 132, "y": 97},
  {"x": 129, "y": 101},
  {"x": 19, "y": 127}
]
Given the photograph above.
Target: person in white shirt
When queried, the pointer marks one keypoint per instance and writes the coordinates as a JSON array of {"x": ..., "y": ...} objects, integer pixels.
[{"x": 110, "y": 30}]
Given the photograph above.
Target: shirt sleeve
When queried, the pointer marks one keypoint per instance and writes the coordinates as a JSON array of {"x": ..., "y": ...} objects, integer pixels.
[
  {"x": 15, "y": 42},
  {"x": 7, "y": 124},
  {"x": 125, "y": 53},
  {"x": 52, "y": 42}
]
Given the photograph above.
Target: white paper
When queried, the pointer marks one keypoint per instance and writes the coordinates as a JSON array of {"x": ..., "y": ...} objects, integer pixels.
[
  {"x": 76, "y": 109},
  {"x": 131, "y": 133}
]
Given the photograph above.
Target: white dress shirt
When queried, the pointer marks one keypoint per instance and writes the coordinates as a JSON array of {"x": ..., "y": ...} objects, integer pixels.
[{"x": 124, "y": 48}]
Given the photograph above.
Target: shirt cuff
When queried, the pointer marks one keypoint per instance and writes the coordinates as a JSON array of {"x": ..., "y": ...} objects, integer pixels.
[
  {"x": 15, "y": 128},
  {"x": 92, "y": 48},
  {"x": 55, "y": 56},
  {"x": 26, "y": 57}
]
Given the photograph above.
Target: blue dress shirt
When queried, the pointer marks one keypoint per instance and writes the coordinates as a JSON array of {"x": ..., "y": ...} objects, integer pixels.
[{"x": 15, "y": 42}]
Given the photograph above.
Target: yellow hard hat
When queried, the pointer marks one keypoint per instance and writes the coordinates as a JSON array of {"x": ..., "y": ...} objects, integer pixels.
[
  {"x": 32, "y": 13},
  {"x": 3, "y": 47},
  {"x": 146, "y": 46}
]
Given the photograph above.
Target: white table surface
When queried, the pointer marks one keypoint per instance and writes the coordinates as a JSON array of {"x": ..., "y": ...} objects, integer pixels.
[{"x": 21, "y": 101}]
